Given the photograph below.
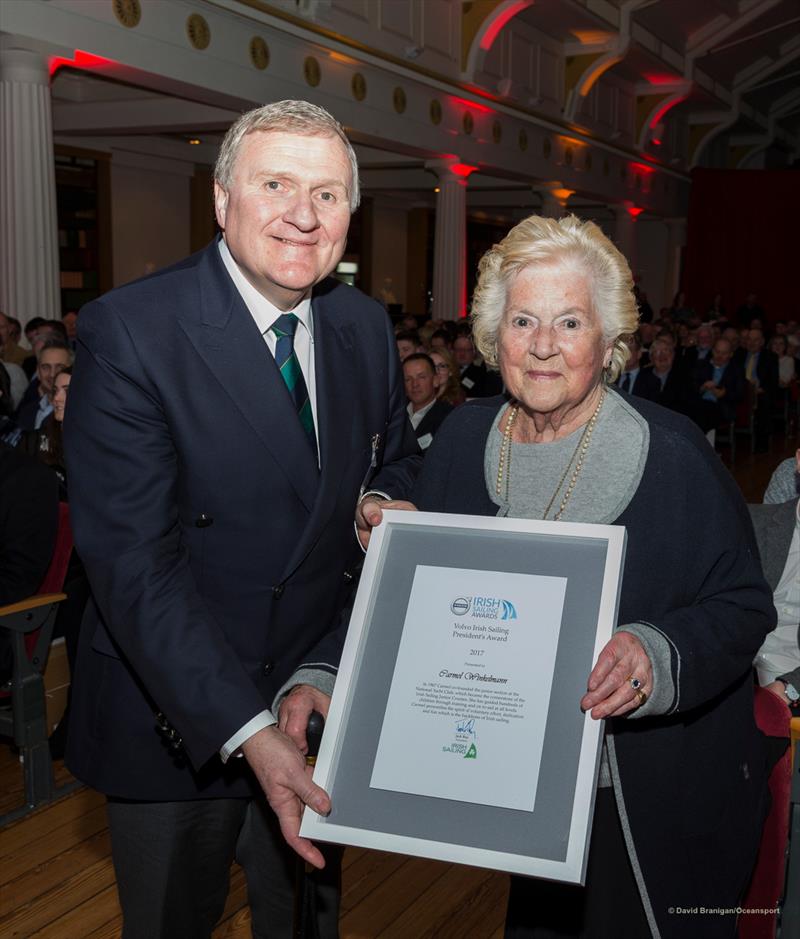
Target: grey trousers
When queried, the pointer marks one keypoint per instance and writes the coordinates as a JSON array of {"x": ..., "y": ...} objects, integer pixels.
[{"x": 172, "y": 861}]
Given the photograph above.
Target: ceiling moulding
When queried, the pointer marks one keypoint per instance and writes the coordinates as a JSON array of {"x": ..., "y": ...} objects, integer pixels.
[{"x": 297, "y": 26}]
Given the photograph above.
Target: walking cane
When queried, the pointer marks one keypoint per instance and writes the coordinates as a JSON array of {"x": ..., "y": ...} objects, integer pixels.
[{"x": 305, "y": 908}]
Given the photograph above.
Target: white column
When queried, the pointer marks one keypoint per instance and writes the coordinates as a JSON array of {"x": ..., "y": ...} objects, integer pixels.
[
  {"x": 450, "y": 240},
  {"x": 554, "y": 198},
  {"x": 29, "y": 276},
  {"x": 625, "y": 234},
  {"x": 676, "y": 239}
]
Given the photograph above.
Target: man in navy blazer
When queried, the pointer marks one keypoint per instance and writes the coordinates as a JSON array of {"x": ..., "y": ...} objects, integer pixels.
[{"x": 215, "y": 468}]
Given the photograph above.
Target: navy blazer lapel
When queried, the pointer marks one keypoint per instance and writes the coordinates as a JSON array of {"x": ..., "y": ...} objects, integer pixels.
[
  {"x": 336, "y": 396},
  {"x": 227, "y": 339}
]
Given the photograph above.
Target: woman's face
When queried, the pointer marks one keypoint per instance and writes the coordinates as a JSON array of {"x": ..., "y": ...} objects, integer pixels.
[
  {"x": 60, "y": 395},
  {"x": 551, "y": 349},
  {"x": 442, "y": 371}
]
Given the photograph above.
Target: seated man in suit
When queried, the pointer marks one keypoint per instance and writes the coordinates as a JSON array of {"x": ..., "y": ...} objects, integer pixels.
[
  {"x": 425, "y": 411},
  {"x": 717, "y": 388},
  {"x": 635, "y": 379},
  {"x": 476, "y": 380},
  {"x": 37, "y": 403},
  {"x": 760, "y": 367},
  {"x": 672, "y": 387}
]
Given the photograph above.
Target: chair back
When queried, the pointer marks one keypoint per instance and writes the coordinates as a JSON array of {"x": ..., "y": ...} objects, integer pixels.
[{"x": 57, "y": 571}]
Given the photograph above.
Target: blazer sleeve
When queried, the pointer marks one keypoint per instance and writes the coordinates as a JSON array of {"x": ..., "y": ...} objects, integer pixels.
[{"x": 124, "y": 476}]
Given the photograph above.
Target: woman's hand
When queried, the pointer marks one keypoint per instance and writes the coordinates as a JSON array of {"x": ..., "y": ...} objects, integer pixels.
[
  {"x": 610, "y": 693},
  {"x": 369, "y": 513}
]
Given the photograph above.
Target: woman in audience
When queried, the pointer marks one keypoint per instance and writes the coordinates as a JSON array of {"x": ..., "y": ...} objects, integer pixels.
[
  {"x": 682, "y": 787},
  {"x": 47, "y": 443},
  {"x": 448, "y": 386},
  {"x": 786, "y": 363}
]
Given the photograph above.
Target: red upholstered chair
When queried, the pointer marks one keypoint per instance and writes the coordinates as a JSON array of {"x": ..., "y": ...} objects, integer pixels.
[
  {"x": 23, "y": 707},
  {"x": 766, "y": 886}
]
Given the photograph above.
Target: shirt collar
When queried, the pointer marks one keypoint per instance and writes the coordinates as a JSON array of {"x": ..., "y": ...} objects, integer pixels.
[{"x": 263, "y": 312}]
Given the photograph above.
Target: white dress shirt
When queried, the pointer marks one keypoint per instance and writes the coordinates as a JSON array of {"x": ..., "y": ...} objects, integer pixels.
[
  {"x": 265, "y": 314},
  {"x": 416, "y": 416}
]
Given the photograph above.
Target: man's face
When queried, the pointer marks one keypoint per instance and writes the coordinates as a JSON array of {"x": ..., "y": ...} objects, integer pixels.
[
  {"x": 405, "y": 348},
  {"x": 70, "y": 321},
  {"x": 51, "y": 362},
  {"x": 286, "y": 212},
  {"x": 722, "y": 352},
  {"x": 755, "y": 340},
  {"x": 419, "y": 379},
  {"x": 662, "y": 355},
  {"x": 463, "y": 351},
  {"x": 705, "y": 337}
]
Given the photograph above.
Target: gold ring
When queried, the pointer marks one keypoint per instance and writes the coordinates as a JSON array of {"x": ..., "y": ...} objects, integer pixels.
[{"x": 641, "y": 696}]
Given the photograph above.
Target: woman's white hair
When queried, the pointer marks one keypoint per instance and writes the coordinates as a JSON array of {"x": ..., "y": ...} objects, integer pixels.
[
  {"x": 564, "y": 242},
  {"x": 293, "y": 117}
]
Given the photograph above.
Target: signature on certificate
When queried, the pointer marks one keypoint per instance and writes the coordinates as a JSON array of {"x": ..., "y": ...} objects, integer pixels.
[{"x": 466, "y": 726}]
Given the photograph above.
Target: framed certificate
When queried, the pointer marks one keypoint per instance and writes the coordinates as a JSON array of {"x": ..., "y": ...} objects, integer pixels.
[{"x": 455, "y": 730}]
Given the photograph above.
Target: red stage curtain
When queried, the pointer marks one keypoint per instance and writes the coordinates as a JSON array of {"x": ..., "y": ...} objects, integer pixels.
[{"x": 742, "y": 237}]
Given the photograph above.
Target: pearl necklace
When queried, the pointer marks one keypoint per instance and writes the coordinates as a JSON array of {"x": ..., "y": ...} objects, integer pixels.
[{"x": 578, "y": 457}]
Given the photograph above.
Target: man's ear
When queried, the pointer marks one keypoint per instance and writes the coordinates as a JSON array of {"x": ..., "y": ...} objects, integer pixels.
[{"x": 220, "y": 203}]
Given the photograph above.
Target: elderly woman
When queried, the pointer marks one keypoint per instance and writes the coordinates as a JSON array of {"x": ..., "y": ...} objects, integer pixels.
[{"x": 681, "y": 794}]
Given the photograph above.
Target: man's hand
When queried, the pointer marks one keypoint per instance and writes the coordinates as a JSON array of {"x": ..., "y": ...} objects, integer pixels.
[
  {"x": 282, "y": 773},
  {"x": 610, "y": 691},
  {"x": 369, "y": 514},
  {"x": 779, "y": 690},
  {"x": 296, "y": 709}
]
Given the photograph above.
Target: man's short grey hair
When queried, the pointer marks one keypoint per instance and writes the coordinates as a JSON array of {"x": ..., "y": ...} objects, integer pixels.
[
  {"x": 565, "y": 242},
  {"x": 292, "y": 117}
]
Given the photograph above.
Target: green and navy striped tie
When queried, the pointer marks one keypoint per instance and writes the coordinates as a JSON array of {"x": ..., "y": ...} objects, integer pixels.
[{"x": 284, "y": 328}]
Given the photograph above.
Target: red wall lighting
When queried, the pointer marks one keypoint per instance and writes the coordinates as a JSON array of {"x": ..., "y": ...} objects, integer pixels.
[{"x": 85, "y": 61}]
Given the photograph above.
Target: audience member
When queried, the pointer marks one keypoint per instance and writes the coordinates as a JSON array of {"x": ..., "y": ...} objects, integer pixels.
[
  {"x": 634, "y": 379},
  {"x": 717, "y": 388},
  {"x": 645, "y": 310},
  {"x": 70, "y": 321},
  {"x": 448, "y": 377},
  {"x": 407, "y": 343},
  {"x": 10, "y": 352},
  {"x": 46, "y": 331},
  {"x": 476, "y": 380},
  {"x": 425, "y": 411},
  {"x": 672, "y": 385},
  {"x": 786, "y": 364},
  {"x": 761, "y": 371},
  {"x": 53, "y": 357},
  {"x": 700, "y": 348},
  {"x": 441, "y": 340},
  {"x": 46, "y": 443},
  {"x": 680, "y": 310}
]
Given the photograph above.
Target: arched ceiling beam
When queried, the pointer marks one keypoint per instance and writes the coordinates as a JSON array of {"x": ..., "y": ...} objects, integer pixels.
[{"x": 481, "y": 23}]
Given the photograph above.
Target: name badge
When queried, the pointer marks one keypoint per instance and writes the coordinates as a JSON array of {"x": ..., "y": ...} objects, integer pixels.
[
  {"x": 467, "y": 382},
  {"x": 425, "y": 441}
]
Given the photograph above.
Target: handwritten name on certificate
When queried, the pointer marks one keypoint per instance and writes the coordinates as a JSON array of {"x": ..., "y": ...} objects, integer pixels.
[{"x": 467, "y": 707}]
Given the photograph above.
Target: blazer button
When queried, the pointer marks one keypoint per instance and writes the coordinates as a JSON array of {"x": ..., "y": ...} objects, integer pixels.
[
  {"x": 277, "y": 591},
  {"x": 203, "y": 520},
  {"x": 347, "y": 576},
  {"x": 268, "y": 668}
]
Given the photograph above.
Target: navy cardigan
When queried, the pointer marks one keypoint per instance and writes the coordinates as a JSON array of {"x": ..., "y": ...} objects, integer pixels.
[{"x": 692, "y": 783}]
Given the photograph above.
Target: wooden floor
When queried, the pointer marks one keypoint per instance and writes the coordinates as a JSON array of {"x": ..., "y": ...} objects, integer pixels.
[{"x": 57, "y": 881}]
